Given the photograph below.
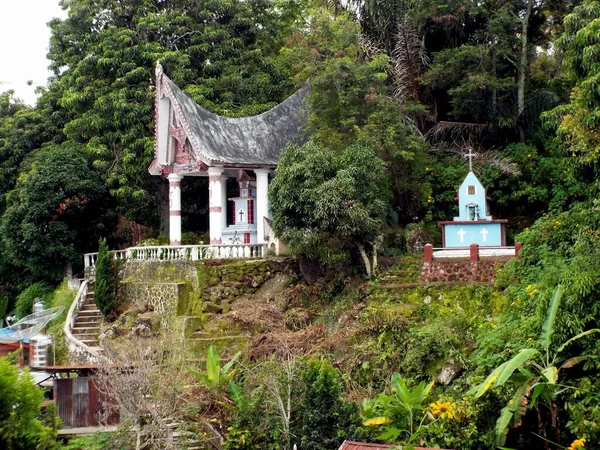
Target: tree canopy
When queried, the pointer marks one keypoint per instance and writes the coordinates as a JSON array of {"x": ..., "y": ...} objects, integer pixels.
[
  {"x": 55, "y": 213},
  {"x": 324, "y": 202}
]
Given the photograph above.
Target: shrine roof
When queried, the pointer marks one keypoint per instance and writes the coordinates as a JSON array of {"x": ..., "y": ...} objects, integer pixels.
[{"x": 250, "y": 141}]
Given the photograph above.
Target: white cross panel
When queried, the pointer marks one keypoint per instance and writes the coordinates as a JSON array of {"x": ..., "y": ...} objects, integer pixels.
[
  {"x": 484, "y": 232},
  {"x": 462, "y": 233}
]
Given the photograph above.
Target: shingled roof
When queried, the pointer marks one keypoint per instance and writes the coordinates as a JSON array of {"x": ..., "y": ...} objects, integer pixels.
[{"x": 246, "y": 141}]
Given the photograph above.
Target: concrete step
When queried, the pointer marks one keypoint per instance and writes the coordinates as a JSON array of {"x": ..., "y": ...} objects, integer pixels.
[
  {"x": 86, "y": 337},
  {"x": 89, "y": 307},
  {"x": 87, "y": 321},
  {"x": 90, "y": 312},
  {"x": 85, "y": 329}
]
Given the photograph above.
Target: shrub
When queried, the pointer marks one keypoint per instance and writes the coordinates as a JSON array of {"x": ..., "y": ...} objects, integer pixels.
[
  {"x": 325, "y": 418},
  {"x": 20, "y": 427},
  {"x": 105, "y": 281},
  {"x": 26, "y": 299}
]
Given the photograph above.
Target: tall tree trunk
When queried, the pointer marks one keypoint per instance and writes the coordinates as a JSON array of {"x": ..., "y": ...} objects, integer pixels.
[
  {"x": 541, "y": 426},
  {"x": 365, "y": 258},
  {"x": 523, "y": 66},
  {"x": 494, "y": 89}
]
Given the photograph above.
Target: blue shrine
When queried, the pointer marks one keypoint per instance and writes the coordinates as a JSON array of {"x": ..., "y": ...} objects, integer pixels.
[{"x": 474, "y": 224}]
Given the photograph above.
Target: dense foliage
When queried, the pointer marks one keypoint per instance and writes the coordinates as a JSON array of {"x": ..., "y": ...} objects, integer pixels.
[
  {"x": 20, "y": 424},
  {"x": 57, "y": 206},
  {"x": 105, "y": 282},
  {"x": 324, "y": 203}
]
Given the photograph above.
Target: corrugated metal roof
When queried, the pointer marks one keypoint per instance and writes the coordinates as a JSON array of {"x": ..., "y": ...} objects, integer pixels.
[
  {"x": 73, "y": 367},
  {"x": 351, "y": 445}
]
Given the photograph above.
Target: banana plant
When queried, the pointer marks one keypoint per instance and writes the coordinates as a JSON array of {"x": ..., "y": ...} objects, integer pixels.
[
  {"x": 535, "y": 374},
  {"x": 402, "y": 402},
  {"x": 218, "y": 381},
  {"x": 216, "y": 378}
]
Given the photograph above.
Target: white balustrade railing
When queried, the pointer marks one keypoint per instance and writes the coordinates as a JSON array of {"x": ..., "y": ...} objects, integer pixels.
[
  {"x": 82, "y": 351},
  {"x": 184, "y": 253}
]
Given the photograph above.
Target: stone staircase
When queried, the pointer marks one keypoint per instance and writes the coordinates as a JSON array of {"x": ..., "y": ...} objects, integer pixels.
[{"x": 87, "y": 323}]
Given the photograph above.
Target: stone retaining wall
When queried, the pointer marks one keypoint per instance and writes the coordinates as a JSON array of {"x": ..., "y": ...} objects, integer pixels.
[
  {"x": 162, "y": 298},
  {"x": 462, "y": 271}
]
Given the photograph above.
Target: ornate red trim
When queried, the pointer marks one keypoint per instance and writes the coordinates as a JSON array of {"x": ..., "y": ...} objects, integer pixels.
[
  {"x": 175, "y": 213},
  {"x": 214, "y": 178},
  {"x": 216, "y": 241},
  {"x": 215, "y": 209}
]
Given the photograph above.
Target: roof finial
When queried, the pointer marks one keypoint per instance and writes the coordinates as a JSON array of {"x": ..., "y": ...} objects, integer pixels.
[
  {"x": 158, "y": 69},
  {"x": 470, "y": 155}
]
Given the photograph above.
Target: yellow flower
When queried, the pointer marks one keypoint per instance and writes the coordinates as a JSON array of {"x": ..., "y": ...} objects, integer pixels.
[
  {"x": 446, "y": 410},
  {"x": 376, "y": 421},
  {"x": 577, "y": 443}
]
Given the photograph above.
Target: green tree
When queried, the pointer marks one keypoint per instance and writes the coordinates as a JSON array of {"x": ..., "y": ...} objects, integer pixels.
[
  {"x": 353, "y": 100},
  {"x": 321, "y": 200},
  {"x": 105, "y": 282},
  {"x": 325, "y": 418},
  {"x": 20, "y": 427},
  {"x": 535, "y": 374},
  {"x": 55, "y": 213},
  {"x": 26, "y": 299},
  {"x": 577, "y": 123},
  {"x": 103, "y": 56}
]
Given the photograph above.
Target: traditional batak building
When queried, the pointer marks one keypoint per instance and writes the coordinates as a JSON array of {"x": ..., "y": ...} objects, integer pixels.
[{"x": 190, "y": 141}]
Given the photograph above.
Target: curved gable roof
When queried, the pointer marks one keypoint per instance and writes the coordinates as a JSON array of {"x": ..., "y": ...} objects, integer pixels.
[{"x": 255, "y": 141}]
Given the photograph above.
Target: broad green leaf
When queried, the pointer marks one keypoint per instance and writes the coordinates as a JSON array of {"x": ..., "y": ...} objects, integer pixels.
[
  {"x": 574, "y": 338},
  {"x": 551, "y": 374},
  {"x": 482, "y": 388},
  {"x": 538, "y": 390},
  {"x": 391, "y": 434},
  {"x": 237, "y": 395},
  {"x": 513, "y": 364},
  {"x": 213, "y": 365},
  {"x": 233, "y": 360},
  {"x": 502, "y": 425},
  {"x": 548, "y": 327}
]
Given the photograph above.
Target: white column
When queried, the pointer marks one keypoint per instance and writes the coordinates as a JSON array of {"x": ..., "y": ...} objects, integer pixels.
[
  {"x": 175, "y": 208},
  {"x": 262, "y": 202},
  {"x": 224, "y": 200},
  {"x": 215, "y": 198}
]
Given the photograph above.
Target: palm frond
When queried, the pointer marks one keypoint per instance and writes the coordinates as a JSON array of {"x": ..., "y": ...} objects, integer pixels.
[{"x": 409, "y": 60}]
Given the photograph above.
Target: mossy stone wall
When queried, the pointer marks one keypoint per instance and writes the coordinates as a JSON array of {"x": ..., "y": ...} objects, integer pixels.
[
  {"x": 162, "y": 298},
  {"x": 203, "y": 286}
]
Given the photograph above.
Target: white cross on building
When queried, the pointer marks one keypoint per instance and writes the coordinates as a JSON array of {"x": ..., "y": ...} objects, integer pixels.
[
  {"x": 470, "y": 155},
  {"x": 462, "y": 233},
  {"x": 484, "y": 232}
]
